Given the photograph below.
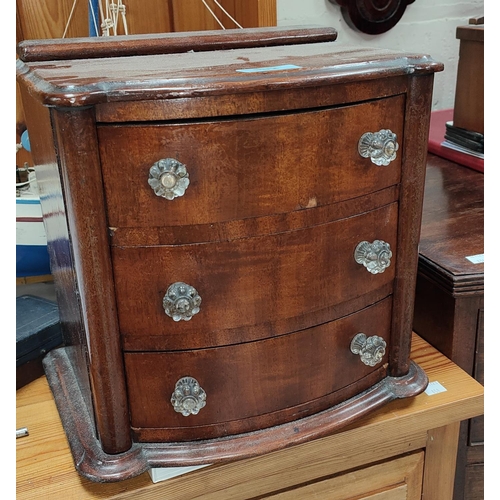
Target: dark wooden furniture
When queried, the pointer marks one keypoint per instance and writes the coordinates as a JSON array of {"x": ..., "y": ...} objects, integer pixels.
[
  {"x": 400, "y": 452},
  {"x": 449, "y": 299},
  {"x": 233, "y": 237},
  {"x": 468, "y": 110}
]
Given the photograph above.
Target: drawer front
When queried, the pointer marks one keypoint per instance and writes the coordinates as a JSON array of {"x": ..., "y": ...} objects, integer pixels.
[
  {"x": 396, "y": 479},
  {"x": 255, "y": 381},
  {"x": 250, "y": 288},
  {"x": 248, "y": 167}
]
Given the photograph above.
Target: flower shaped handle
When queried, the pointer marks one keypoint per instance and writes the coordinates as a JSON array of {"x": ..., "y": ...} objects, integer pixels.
[
  {"x": 379, "y": 146},
  {"x": 188, "y": 397},
  {"x": 168, "y": 178},
  {"x": 181, "y": 301},
  {"x": 370, "y": 349},
  {"x": 376, "y": 256}
]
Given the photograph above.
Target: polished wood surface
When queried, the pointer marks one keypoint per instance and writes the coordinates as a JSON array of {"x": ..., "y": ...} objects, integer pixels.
[
  {"x": 245, "y": 379},
  {"x": 251, "y": 155},
  {"x": 258, "y": 101},
  {"x": 74, "y": 83},
  {"x": 452, "y": 287},
  {"x": 52, "y": 49},
  {"x": 453, "y": 221},
  {"x": 251, "y": 288},
  {"x": 80, "y": 173},
  {"x": 45, "y": 467},
  {"x": 290, "y": 268},
  {"x": 449, "y": 304}
]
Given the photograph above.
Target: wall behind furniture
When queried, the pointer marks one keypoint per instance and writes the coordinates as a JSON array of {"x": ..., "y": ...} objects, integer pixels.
[{"x": 427, "y": 26}]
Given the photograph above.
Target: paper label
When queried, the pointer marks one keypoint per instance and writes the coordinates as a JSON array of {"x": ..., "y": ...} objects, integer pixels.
[
  {"x": 164, "y": 473},
  {"x": 476, "y": 259},
  {"x": 434, "y": 388}
]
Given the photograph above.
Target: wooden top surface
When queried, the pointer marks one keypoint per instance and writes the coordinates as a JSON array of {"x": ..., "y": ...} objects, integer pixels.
[
  {"x": 45, "y": 467},
  {"x": 453, "y": 220},
  {"x": 171, "y": 43},
  {"x": 75, "y": 82},
  {"x": 471, "y": 32}
]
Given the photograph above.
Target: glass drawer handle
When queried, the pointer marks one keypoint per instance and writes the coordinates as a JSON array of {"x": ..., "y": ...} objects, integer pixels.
[
  {"x": 181, "y": 302},
  {"x": 168, "y": 178},
  {"x": 376, "y": 256},
  {"x": 379, "y": 146},
  {"x": 370, "y": 349},
  {"x": 188, "y": 397}
]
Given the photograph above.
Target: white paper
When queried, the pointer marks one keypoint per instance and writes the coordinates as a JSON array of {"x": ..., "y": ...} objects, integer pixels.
[
  {"x": 434, "y": 388},
  {"x": 476, "y": 259},
  {"x": 158, "y": 474}
]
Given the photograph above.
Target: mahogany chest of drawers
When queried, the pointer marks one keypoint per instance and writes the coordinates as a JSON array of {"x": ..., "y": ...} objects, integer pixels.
[{"x": 233, "y": 222}]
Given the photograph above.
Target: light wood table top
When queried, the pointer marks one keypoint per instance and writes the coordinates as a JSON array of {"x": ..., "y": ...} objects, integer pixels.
[{"x": 45, "y": 467}]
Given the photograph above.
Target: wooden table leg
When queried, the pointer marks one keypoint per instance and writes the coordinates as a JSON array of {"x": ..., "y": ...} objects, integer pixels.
[{"x": 440, "y": 462}]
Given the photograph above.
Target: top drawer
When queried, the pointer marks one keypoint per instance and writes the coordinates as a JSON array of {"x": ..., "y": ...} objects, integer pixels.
[{"x": 249, "y": 167}]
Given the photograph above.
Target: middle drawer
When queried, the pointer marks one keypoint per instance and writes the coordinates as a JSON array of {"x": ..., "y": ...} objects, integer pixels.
[{"x": 250, "y": 288}]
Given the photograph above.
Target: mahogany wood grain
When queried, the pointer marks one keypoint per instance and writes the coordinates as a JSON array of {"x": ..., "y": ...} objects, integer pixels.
[
  {"x": 418, "y": 108},
  {"x": 247, "y": 167},
  {"x": 250, "y": 103},
  {"x": 250, "y": 380},
  {"x": 449, "y": 305},
  {"x": 252, "y": 227},
  {"x": 453, "y": 224},
  {"x": 54, "y": 49},
  {"x": 80, "y": 176},
  {"x": 450, "y": 287},
  {"x": 45, "y": 467},
  {"x": 97, "y": 465},
  {"x": 286, "y": 274},
  {"x": 250, "y": 288},
  {"x": 149, "y": 77}
]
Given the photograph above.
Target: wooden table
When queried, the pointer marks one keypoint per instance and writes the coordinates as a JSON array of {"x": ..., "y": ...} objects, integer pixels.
[
  {"x": 403, "y": 450},
  {"x": 449, "y": 298}
]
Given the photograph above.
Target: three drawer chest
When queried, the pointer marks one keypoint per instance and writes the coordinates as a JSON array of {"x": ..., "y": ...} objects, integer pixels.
[{"x": 233, "y": 223}]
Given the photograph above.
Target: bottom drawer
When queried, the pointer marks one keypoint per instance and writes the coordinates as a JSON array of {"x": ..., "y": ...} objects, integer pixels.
[
  {"x": 253, "y": 385},
  {"x": 397, "y": 479}
]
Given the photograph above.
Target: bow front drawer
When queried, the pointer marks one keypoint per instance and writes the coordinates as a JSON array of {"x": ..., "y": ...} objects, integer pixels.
[
  {"x": 194, "y": 394},
  {"x": 191, "y": 296},
  {"x": 202, "y": 172}
]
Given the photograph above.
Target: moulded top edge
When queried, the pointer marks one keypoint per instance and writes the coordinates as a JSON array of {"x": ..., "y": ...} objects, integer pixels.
[{"x": 79, "y": 82}]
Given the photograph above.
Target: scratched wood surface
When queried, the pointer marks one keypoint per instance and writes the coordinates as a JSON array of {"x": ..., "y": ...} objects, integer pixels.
[{"x": 45, "y": 468}]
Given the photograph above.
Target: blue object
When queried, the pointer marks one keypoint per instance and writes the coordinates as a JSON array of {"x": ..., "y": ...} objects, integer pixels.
[
  {"x": 93, "y": 17},
  {"x": 25, "y": 141},
  {"x": 32, "y": 260},
  {"x": 263, "y": 69}
]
